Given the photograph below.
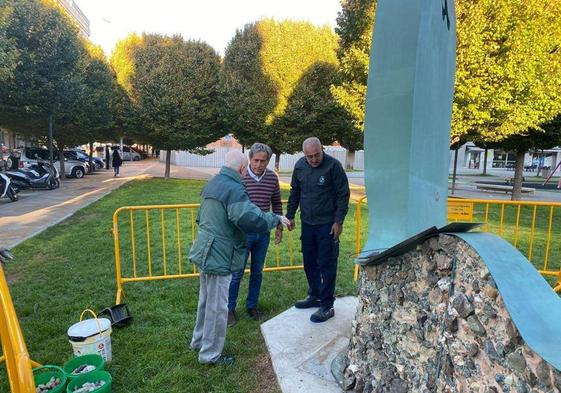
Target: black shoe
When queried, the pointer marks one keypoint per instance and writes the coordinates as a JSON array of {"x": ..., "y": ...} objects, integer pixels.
[
  {"x": 254, "y": 313},
  {"x": 322, "y": 315},
  {"x": 309, "y": 302},
  {"x": 231, "y": 318},
  {"x": 225, "y": 360}
]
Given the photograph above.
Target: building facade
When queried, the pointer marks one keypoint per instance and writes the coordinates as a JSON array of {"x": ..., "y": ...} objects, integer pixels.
[{"x": 76, "y": 13}]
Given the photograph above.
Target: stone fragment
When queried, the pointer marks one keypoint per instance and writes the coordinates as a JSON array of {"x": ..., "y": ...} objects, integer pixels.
[
  {"x": 349, "y": 379},
  {"x": 462, "y": 305},
  {"x": 516, "y": 361},
  {"x": 451, "y": 323},
  {"x": 398, "y": 386},
  {"x": 433, "y": 243},
  {"x": 489, "y": 349},
  {"x": 542, "y": 372},
  {"x": 489, "y": 311},
  {"x": 473, "y": 350},
  {"x": 476, "y": 326},
  {"x": 490, "y": 292},
  {"x": 443, "y": 262}
]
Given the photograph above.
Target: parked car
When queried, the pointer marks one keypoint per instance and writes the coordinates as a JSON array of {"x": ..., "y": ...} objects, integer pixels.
[
  {"x": 80, "y": 156},
  {"x": 27, "y": 156},
  {"x": 129, "y": 154}
]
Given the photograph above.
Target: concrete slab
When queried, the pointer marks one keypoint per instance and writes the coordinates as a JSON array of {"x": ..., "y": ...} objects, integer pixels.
[{"x": 302, "y": 351}]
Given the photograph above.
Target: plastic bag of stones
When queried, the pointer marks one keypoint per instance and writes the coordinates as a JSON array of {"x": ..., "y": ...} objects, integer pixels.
[
  {"x": 89, "y": 387},
  {"x": 47, "y": 387}
]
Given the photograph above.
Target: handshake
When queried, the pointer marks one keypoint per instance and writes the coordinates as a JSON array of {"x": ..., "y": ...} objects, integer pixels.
[{"x": 285, "y": 222}]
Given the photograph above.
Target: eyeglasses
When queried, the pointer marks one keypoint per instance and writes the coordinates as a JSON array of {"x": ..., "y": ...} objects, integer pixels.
[{"x": 310, "y": 157}]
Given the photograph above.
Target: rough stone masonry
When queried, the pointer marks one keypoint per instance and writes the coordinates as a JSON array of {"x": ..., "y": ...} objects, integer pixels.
[{"x": 432, "y": 320}]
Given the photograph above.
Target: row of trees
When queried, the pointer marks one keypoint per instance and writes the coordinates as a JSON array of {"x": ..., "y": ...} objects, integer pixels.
[
  {"x": 273, "y": 85},
  {"x": 508, "y": 79},
  {"x": 278, "y": 82},
  {"x": 51, "y": 79}
]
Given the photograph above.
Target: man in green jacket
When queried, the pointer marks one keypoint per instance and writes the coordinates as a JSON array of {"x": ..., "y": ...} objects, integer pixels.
[{"x": 225, "y": 216}]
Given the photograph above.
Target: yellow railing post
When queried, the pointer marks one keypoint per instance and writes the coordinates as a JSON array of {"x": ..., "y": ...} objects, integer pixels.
[
  {"x": 120, "y": 293},
  {"x": 18, "y": 363}
]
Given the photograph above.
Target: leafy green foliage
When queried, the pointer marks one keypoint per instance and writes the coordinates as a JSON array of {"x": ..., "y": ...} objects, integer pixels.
[
  {"x": 312, "y": 111},
  {"x": 8, "y": 51},
  {"x": 265, "y": 64},
  {"x": 355, "y": 24},
  {"x": 172, "y": 89},
  {"x": 508, "y": 77},
  {"x": 43, "y": 82}
]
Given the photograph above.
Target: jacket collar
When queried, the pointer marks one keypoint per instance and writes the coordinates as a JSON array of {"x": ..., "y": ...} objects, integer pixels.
[{"x": 231, "y": 173}]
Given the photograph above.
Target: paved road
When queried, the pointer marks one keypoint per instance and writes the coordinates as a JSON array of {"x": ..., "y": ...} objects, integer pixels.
[{"x": 38, "y": 210}]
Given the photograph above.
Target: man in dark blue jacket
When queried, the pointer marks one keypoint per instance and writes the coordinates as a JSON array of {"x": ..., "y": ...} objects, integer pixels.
[{"x": 320, "y": 187}]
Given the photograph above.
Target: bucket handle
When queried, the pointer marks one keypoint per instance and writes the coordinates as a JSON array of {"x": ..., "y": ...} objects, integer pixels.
[{"x": 95, "y": 317}]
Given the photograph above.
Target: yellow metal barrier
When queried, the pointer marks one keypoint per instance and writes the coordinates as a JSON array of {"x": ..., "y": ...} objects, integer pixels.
[
  {"x": 529, "y": 226},
  {"x": 16, "y": 357},
  {"x": 152, "y": 243}
]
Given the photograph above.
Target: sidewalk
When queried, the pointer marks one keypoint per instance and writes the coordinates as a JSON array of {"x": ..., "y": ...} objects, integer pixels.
[{"x": 39, "y": 209}]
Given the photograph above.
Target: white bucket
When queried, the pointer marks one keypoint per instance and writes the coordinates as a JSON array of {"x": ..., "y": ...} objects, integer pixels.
[{"x": 91, "y": 336}]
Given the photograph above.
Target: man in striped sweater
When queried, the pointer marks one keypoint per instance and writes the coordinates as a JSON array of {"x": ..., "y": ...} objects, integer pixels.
[{"x": 262, "y": 185}]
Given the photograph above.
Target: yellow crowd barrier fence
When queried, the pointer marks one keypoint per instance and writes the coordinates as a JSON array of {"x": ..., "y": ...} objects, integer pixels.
[
  {"x": 532, "y": 227},
  {"x": 15, "y": 355},
  {"x": 152, "y": 243}
]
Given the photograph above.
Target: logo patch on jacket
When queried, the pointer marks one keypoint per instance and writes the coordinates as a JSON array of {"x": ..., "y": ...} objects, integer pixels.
[{"x": 321, "y": 181}]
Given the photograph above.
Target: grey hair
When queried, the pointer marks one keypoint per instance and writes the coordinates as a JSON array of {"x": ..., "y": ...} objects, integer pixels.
[
  {"x": 258, "y": 148},
  {"x": 235, "y": 159},
  {"x": 311, "y": 141}
]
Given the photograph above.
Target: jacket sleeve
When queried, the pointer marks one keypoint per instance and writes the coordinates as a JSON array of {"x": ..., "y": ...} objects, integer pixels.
[
  {"x": 249, "y": 218},
  {"x": 342, "y": 193},
  {"x": 294, "y": 198}
]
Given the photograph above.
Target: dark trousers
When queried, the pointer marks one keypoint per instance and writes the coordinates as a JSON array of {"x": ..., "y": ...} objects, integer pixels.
[
  {"x": 257, "y": 245},
  {"x": 320, "y": 253}
]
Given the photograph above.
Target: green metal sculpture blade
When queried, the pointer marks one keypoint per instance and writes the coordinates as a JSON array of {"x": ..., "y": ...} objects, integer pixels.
[{"x": 408, "y": 114}]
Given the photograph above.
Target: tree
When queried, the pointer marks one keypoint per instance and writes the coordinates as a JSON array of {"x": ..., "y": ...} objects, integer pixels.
[
  {"x": 263, "y": 65},
  {"x": 90, "y": 115},
  {"x": 548, "y": 136},
  {"x": 355, "y": 24},
  {"x": 173, "y": 88},
  {"x": 8, "y": 50},
  {"x": 312, "y": 110},
  {"x": 508, "y": 78},
  {"x": 43, "y": 86}
]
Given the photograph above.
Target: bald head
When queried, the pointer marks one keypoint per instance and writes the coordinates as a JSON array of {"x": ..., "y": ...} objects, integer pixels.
[
  {"x": 237, "y": 161},
  {"x": 313, "y": 151},
  {"x": 310, "y": 143}
]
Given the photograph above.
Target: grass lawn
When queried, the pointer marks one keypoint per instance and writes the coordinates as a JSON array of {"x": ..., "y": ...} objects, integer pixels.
[{"x": 70, "y": 267}]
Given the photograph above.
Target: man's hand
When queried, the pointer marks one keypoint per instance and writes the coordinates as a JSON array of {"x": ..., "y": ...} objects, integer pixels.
[
  {"x": 336, "y": 230},
  {"x": 292, "y": 225},
  {"x": 283, "y": 221},
  {"x": 278, "y": 234}
]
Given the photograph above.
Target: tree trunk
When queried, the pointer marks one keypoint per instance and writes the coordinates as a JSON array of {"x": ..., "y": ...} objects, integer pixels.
[
  {"x": 518, "y": 174},
  {"x": 61, "y": 160},
  {"x": 91, "y": 155},
  {"x": 350, "y": 159},
  {"x": 50, "y": 141},
  {"x": 454, "y": 172},
  {"x": 168, "y": 164},
  {"x": 277, "y": 160},
  {"x": 485, "y": 161}
]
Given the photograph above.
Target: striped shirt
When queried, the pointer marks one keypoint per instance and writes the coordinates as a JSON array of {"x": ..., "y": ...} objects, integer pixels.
[{"x": 265, "y": 192}]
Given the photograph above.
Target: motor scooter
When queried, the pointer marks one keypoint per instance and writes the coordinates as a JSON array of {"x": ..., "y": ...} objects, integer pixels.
[
  {"x": 36, "y": 176},
  {"x": 6, "y": 189}
]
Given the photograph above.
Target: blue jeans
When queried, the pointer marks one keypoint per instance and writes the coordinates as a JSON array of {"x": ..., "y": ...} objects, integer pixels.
[
  {"x": 257, "y": 245},
  {"x": 320, "y": 254}
]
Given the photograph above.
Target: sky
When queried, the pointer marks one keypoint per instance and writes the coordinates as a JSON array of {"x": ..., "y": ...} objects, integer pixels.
[{"x": 212, "y": 21}]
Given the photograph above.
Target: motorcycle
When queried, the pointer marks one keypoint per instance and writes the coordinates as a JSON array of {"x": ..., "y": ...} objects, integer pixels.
[
  {"x": 39, "y": 175},
  {"x": 6, "y": 188}
]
